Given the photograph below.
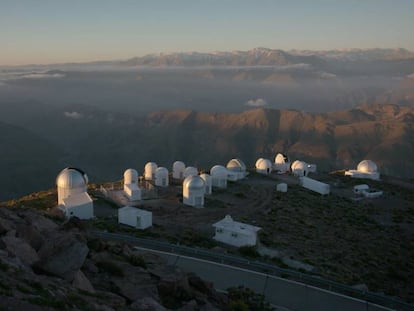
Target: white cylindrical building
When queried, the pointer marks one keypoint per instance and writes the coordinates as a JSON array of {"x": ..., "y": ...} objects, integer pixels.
[
  {"x": 193, "y": 191},
  {"x": 299, "y": 168},
  {"x": 208, "y": 182},
  {"x": 264, "y": 166},
  {"x": 161, "y": 177},
  {"x": 178, "y": 170},
  {"x": 149, "y": 171},
  {"x": 71, "y": 181},
  {"x": 190, "y": 171},
  {"x": 282, "y": 163},
  {"x": 219, "y": 176},
  {"x": 130, "y": 176}
]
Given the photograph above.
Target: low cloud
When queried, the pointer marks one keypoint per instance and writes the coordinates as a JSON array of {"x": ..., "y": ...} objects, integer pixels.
[
  {"x": 411, "y": 76},
  {"x": 36, "y": 75},
  {"x": 260, "y": 102},
  {"x": 73, "y": 115}
]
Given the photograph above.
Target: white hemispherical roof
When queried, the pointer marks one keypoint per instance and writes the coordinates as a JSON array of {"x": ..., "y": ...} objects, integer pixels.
[
  {"x": 236, "y": 165},
  {"x": 367, "y": 166},
  {"x": 161, "y": 171},
  {"x": 131, "y": 174},
  {"x": 194, "y": 183},
  {"x": 281, "y": 158},
  {"x": 263, "y": 164},
  {"x": 178, "y": 165},
  {"x": 71, "y": 178},
  {"x": 151, "y": 166},
  {"x": 218, "y": 171},
  {"x": 299, "y": 165}
]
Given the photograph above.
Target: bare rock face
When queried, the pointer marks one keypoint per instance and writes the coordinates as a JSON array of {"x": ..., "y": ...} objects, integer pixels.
[
  {"x": 31, "y": 235},
  {"x": 62, "y": 255},
  {"x": 21, "y": 249},
  {"x": 147, "y": 304},
  {"x": 82, "y": 282},
  {"x": 40, "y": 222}
]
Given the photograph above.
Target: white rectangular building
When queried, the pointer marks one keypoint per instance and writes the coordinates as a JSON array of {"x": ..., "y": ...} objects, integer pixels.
[
  {"x": 134, "y": 217},
  {"x": 235, "y": 233},
  {"x": 78, "y": 205},
  {"x": 314, "y": 185}
]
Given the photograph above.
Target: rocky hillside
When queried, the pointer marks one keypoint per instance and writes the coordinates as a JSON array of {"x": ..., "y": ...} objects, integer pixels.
[{"x": 46, "y": 266}]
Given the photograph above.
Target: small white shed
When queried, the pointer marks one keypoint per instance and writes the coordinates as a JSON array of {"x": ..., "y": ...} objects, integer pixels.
[
  {"x": 315, "y": 185},
  {"x": 134, "y": 217},
  {"x": 235, "y": 233},
  {"x": 282, "y": 187}
]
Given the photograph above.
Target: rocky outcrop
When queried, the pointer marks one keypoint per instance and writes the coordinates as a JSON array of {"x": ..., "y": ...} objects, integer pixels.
[{"x": 21, "y": 249}]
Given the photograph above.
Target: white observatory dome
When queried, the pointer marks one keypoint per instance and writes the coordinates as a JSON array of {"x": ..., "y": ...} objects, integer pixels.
[
  {"x": 194, "y": 183},
  {"x": 71, "y": 178},
  {"x": 299, "y": 165},
  {"x": 281, "y": 158},
  {"x": 161, "y": 171},
  {"x": 130, "y": 176},
  {"x": 367, "y": 166},
  {"x": 218, "y": 171},
  {"x": 236, "y": 165},
  {"x": 263, "y": 164},
  {"x": 178, "y": 165},
  {"x": 190, "y": 171},
  {"x": 149, "y": 169}
]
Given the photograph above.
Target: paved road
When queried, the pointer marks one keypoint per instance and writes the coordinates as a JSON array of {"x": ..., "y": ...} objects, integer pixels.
[{"x": 310, "y": 293}]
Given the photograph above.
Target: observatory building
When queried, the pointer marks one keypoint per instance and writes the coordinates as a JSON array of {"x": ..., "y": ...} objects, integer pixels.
[
  {"x": 235, "y": 233},
  {"x": 208, "y": 183},
  {"x": 282, "y": 163},
  {"x": 264, "y": 166},
  {"x": 300, "y": 168},
  {"x": 134, "y": 217},
  {"x": 178, "y": 170},
  {"x": 161, "y": 177},
  {"x": 131, "y": 189},
  {"x": 193, "y": 191},
  {"x": 219, "y": 176},
  {"x": 149, "y": 170},
  {"x": 236, "y": 170},
  {"x": 365, "y": 169},
  {"x": 190, "y": 171},
  {"x": 73, "y": 198}
]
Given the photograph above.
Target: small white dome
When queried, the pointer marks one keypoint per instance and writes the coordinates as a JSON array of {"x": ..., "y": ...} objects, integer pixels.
[
  {"x": 71, "y": 178},
  {"x": 161, "y": 172},
  {"x": 178, "y": 165},
  {"x": 263, "y": 164},
  {"x": 218, "y": 171},
  {"x": 367, "y": 166},
  {"x": 236, "y": 165},
  {"x": 299, "y": 165},
  {"x": 281, "y": 158},
  {"x": 190, "y": 171},
  {"x": 151, "y": 166},
  {"x": 194, "y": 183},
  {"x": 130, "y": 176}
]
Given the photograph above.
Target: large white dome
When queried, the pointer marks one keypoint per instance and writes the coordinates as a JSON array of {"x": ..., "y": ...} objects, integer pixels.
[
  {"x": 178, "y": 165},
  {"x": 236, "y": 165},
  {"x": 161, "y": 172},
  {"x": 367, "y": 166},
  {"x": 194, "y": 183},
  {"x": 218, "y": 171},
  {"x": 71, "y": 178},
  {"x": 263, "y": 164},
  {"x": 151, "y": 166},
  {"x": 130, "y": 176}
]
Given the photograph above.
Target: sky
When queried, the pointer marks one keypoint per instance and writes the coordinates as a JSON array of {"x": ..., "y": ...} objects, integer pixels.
[{"x": 55, "y": 31}]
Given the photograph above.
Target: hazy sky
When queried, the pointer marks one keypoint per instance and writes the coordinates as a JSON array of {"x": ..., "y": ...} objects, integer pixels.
[{"x": 48, "y": 31}]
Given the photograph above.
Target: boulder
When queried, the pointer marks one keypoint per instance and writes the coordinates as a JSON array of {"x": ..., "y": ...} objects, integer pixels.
[
  {"x": 21, "y": 249},
  {"x": 5, "y": 226},
  {"x": 31, "y": 235},
  {"x": 62, "y": 255},
  {"x": 189, "y": 306},
  {"x": 40, "y": 222},
  {"x": 147, "y": 304},
  {"x": 82, "y": 282}
]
